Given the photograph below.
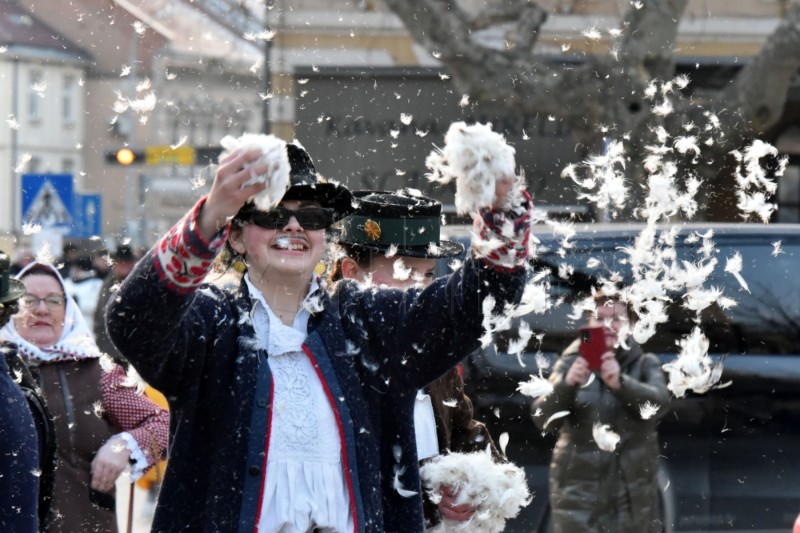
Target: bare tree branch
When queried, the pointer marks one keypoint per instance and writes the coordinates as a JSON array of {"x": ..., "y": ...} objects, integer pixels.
[
  {"x": 499, "y": 13},
  {"x": 650, "y": 30},
  {"x": 608, "y": 89},
  {"x": 439, "y": 25},
  {"x": 760, "y": 89},
  {"x": 526, "y": 32}
]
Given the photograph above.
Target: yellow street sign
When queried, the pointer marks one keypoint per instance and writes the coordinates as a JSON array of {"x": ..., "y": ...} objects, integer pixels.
[{"x": 167, "y": 155}]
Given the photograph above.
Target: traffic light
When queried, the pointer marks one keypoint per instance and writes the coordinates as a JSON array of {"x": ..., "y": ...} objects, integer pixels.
[
  {"x": 125, "y": 157},
  {"x": 165, "y": 155}
]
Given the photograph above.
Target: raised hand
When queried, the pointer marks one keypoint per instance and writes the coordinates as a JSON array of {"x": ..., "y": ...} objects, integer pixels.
[
  {"x": 609, "y": 370},
  {"x": 227, "y": 195}
]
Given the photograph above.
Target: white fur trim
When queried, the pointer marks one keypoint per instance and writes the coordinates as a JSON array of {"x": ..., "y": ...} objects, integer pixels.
[{"x": 138, "y": 459}]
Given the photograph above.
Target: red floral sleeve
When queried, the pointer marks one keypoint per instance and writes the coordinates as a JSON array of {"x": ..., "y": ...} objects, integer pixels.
[
  {"x": 501, "y": 237},
  {"x": 183, "y": 256},
  {"x": 138, "y": 416}
]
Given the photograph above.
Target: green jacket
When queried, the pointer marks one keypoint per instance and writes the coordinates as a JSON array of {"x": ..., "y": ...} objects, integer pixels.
[{"x": 592, "y": 490}]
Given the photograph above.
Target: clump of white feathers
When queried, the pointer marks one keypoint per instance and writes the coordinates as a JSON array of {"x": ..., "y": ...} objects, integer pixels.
[
  {"x": 476, "y": 157},
  {"x": 273, "y": 153},
  {"x": 497, "y": 491}
]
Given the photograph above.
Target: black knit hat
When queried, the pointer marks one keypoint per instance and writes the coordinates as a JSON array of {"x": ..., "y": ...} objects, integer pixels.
[
  {"x": 306, "y": 184},
  {"x": 10, "y": 289},
  {"x": 411, "y": 222}
]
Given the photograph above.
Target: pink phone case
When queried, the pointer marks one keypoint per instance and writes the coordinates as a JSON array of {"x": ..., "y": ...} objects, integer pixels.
[{"x": 593, "y": 345}]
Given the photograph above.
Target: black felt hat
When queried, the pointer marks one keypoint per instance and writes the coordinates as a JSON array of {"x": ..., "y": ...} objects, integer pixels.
[
  {"x": 411, "y": 222},
  {"x": 306, "y": 184},
  {"x": 10, "y": 289},
  {"x": 123, "y": 253}
]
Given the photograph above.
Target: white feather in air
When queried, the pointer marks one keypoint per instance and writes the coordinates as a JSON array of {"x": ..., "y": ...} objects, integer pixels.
[
  {"x": 134, "y": 380},
  {"x": 399, "y": 471},
  {"x": 503, "y": 442},
  {"x": 400, "y": 271},
  {"x": 556, "y": 416},
  {"x": 536, "y": 386},
  {"x": 693, "y": 369},
  {"x": 518, "y": 345},
  {"x": 734, "y": 267},
  {"x": 605, "y": 438},
  {"x": 648, "y": 410}
]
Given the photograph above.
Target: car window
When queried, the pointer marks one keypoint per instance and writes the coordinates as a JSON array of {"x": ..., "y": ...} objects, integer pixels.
[{"x": 766, "y": 320}]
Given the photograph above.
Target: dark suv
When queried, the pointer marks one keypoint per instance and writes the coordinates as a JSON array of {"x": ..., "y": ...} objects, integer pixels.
[{"x": 731, "y": 456}]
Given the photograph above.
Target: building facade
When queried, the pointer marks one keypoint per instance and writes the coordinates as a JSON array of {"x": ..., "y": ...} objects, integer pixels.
[{"x": 172, "y": 73}]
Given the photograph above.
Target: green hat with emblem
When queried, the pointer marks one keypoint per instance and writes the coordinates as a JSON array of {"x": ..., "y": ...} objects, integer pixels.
[{"x": 405, "y": 219}]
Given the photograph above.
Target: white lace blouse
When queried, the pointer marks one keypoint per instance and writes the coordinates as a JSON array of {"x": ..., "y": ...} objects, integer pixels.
[{"x": 304, "y": 485}]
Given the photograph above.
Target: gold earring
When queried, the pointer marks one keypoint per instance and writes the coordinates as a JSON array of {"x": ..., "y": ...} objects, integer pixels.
[
  {"x": 239, "y": 265},
  {"x": 320, "y": 268}
]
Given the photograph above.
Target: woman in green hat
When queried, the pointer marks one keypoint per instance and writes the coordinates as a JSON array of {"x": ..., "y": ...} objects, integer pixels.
[{"x": 393, "y": 239}]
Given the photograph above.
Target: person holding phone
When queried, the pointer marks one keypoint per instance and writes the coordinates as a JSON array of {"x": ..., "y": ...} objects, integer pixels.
[{"x": 604, "y": 385}]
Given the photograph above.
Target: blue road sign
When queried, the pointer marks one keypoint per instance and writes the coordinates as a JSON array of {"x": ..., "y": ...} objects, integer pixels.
[
  {"x": 87, "y": 214},
  {"x": 47, "y": 200}
]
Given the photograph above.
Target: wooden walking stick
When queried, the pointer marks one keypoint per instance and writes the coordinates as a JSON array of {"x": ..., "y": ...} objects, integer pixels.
[{"x": 130, "y": 509}]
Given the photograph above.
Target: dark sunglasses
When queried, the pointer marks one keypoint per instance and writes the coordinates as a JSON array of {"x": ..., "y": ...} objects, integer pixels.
[{"x": 308, "y": 217}]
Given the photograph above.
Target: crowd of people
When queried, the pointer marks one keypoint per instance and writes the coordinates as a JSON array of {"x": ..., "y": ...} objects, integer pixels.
[{"x": 298, "y": 401}]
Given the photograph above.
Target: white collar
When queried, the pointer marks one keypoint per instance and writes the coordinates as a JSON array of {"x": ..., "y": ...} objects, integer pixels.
[{"x": 279, "y": 337}]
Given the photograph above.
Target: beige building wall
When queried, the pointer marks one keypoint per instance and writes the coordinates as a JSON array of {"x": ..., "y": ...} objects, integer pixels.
[{"x": 45, "y": 121}]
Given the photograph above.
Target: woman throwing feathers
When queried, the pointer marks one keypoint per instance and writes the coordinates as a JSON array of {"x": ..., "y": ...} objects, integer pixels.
[{"x": 292, "y": 408}]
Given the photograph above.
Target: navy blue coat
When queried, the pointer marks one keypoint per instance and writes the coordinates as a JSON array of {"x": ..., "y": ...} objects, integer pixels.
[
  {"x": 373, "y": 349},
  {"x": 19, "y": 457}
]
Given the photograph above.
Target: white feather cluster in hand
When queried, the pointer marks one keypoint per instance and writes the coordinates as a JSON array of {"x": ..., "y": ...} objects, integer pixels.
[
  {"x": 497, "y": 491},
  {"x": 273, "y": 153},
  {"x": 476, "y": 157}
]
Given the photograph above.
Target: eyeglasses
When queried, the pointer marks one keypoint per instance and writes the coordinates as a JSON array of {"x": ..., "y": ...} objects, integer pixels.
[
  {"x": 52, "y": 301},
  {"x": 308, "y": 217}
]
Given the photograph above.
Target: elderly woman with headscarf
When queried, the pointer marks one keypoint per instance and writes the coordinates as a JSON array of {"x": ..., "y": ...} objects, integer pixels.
[{"x": 102, "y": 424}]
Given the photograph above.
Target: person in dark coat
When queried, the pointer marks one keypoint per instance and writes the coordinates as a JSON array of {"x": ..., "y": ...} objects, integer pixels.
[
  {"x": 443, "y": 419},
  {"x": 292, "y": 408},
  {"x": 20, "y": 464},
  {"x": 123, "y": 260},
  {"x": 597, "y": 484}
]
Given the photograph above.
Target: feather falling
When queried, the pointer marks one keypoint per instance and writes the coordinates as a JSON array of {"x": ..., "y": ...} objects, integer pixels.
[
  {"x": 605, "y": 438},
  {"x": 693, "y": 370}
]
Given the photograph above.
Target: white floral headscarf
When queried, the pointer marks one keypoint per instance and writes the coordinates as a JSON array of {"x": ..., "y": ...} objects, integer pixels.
[{"x": 76, "y": 341}]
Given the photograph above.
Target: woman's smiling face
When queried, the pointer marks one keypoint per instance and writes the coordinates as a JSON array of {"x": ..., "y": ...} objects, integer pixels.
[
  {"x": 290, "y": 250},
  {"x": 38, "y": 321}
]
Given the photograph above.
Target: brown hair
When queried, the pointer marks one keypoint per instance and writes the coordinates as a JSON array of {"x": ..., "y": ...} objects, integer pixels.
[
  {"x": 602, "y": 298},
  {"x": 361, "y": 256}
]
